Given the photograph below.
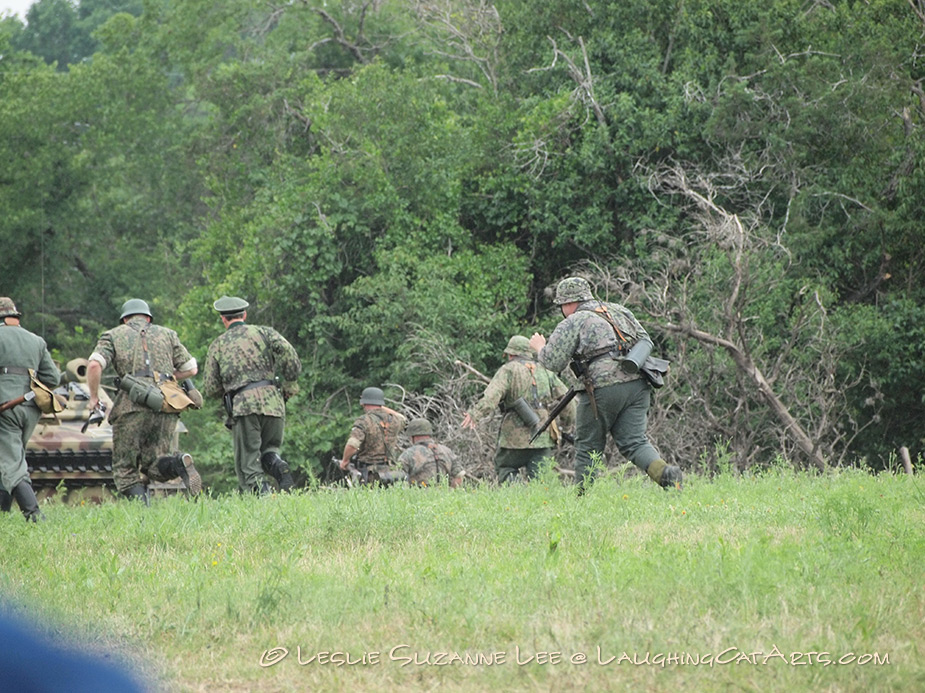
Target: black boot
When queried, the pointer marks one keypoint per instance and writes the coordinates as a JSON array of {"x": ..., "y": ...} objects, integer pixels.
[
  {"x": 6, "y": 502},
  {"x": 137, "y": 492},
  {"x": 276, "y": 466},
  {"x": 671, "y": 477},
  {"x": 25, "y": 497},
  {"x": 664, "y": 474},
  {"x": 181, "y": 465}
]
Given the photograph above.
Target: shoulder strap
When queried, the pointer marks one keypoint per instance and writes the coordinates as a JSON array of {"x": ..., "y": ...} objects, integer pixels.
[{"x": 604, "y": 313}]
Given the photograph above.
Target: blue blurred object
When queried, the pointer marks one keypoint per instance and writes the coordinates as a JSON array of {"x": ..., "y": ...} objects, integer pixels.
[{"x": 30, "y": 662}]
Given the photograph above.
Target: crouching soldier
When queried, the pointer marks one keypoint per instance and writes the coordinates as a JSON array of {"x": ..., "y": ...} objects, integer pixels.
[
  {"x": 373, "y": 441},
  {"x": 427, "y": 462}
]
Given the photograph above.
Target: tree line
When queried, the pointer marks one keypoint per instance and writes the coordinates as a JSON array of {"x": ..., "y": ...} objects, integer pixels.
[{"x": 396, "y": 184}]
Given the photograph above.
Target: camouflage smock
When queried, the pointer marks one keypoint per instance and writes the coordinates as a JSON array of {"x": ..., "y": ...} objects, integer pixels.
[
  {"x": 375, "y": 436},
  {"x": 427, "y": 462},
  {"x": 521, "y": 377},
  {"x": 586, "y": 332},
  {"x": 246, "y": 354},
  {"x": 122, "y": 348}
]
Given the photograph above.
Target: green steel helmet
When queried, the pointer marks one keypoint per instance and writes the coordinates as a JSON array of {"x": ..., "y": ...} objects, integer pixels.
[
  {"x": 135, "y": 306},
  {"x": 572, "y": 290},
  {"x": 519, "y": 346},
  {"x": 420, "y": 427},
  {"x": 372, "y": 395},
  {"x": 230, "y": 305},
  {"x": 8, "y": 308}
]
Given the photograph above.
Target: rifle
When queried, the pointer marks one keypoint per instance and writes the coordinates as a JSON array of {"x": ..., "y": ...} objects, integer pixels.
[
  {"x": 555, "y": 411},
  {"x": 28, "y": 397}
]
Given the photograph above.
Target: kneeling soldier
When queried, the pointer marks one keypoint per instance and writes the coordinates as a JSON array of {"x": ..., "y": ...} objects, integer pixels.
[{"x": 426, "y": 462}]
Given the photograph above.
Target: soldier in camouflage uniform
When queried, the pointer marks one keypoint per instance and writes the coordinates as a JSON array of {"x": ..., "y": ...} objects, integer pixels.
[
  {"x": 141, "y": 437},
  {"x": 597, "y": 335},
  {"x": 373, "y": 441},
  {"x": 520, "y": 377},
  {"x": 20, "y": 352},
  {"x": 426, "y": 462},
  {"x": 241, "y": 368}
]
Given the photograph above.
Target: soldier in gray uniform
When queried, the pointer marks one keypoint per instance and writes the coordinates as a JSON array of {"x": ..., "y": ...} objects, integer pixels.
[
  {"x": 241, "y": 368},
  {"x": 20, "y": 352},
  {"x": 596, "y": 336},
  {"x": 373, "y": 440},
  {"x": 426, "y": 462},
  {"x": 521, "y": 386},
  {"x": 142, "y": 438}
]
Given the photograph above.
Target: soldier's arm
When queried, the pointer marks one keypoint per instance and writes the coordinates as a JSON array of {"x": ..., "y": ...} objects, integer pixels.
[
  {"x": 404, "y": 461},
  {"x": 562, "y": 343},
  {"x": 102, "y": 354},
  {"x": 212, "y": 381},
  {"x": 48, "y": 372},
  {"x": 285, "y": 356},
  {"x": 400, "y": 419},
  {"x": 493, "y": 394},
  {"x": 641, "y": 332},
  {"x": 94, "y": 375},
  {"x": 354, "y": 443},
  {"x": 184, "y": 365}
]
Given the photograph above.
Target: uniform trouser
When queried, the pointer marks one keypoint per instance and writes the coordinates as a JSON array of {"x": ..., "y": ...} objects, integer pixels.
[
  {"x": 139, "y": 439},
  {"x": 623, "y": 411},
  {"x": 253, "y": 435},
  {"x": 16, "y": 427},
  {"x": 508, "y": 462}
]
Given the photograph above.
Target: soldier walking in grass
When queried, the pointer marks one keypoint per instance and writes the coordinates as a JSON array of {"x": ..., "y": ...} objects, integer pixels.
[
  {"x": 596, "y": 337},
  {"x": 20, "y": 352},
  {"x": 373, "y": 441},
  {"x": 143, "y": 354},
  {"x": 427, "y": 462},
  {"x": 524, "y": 390},
  {"x": 241, "y": 369}
]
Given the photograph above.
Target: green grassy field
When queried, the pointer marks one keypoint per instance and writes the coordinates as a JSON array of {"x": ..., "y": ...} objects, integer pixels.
[{"x": 776, "y": 582}]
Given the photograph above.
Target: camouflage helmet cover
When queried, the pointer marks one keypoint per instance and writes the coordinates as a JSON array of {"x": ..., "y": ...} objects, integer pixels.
[
  {"x": 519, "y": 346},
  {"x": 372, "y": 395},
  {"x": 8, "y": 308},
  {"x": 572, "y": 290},
  {"x": 420, "y": 427},
  {"x": 135, "y": 306}
]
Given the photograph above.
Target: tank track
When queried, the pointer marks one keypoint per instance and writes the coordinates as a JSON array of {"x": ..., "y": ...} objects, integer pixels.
[{"x": 76, "y": 469}]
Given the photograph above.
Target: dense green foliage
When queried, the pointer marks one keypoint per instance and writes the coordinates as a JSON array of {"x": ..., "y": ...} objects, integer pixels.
[
  {"x": 714, "y": 589},
  {"x": 376, "y": 175}
]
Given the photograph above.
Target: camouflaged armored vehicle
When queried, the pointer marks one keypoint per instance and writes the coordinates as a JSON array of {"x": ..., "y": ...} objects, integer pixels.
[{"x": 69, "y": 454}]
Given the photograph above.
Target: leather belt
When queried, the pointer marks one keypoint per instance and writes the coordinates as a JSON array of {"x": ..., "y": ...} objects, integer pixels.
[{"x": 13, "y": 370}]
